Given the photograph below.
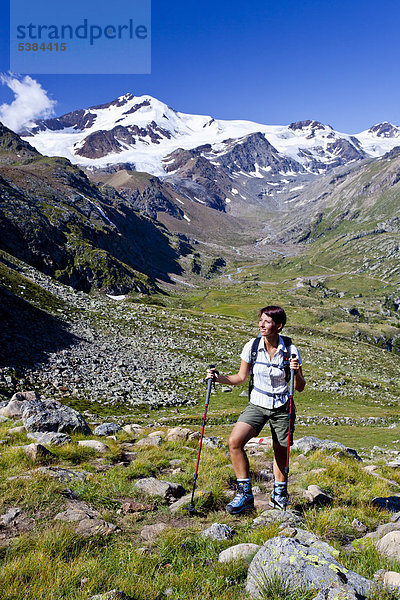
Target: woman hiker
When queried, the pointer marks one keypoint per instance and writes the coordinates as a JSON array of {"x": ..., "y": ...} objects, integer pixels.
[{"x": 269, "y": 359}]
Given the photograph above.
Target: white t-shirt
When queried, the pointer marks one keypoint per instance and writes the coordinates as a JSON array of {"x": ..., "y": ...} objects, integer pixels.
[{"x": 270, "y": 388}]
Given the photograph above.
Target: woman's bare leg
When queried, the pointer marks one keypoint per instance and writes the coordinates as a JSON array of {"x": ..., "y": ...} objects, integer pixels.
[{"x": 241, "y": 434}]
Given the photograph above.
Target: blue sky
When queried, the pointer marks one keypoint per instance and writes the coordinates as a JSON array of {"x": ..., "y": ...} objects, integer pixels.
[{"x": 271, "y": 62}]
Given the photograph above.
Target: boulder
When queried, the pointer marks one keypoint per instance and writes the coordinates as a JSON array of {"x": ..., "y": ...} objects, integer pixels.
[
  {"x": 50, "y": 438},
  {"x": 132, "y": 428},
  {"x": 300, "y": 565},
  {"x": 14, "y": 407},
  {"x": 178, "y": 433},
  {"x": 155, "y": 440},
  {"x": 94, "y": 445},
  {"x": 150, "y": 532},
  {"x": 37, "y": 452},
  {"x": 268, "y": 517},
  {"x": 238, "y": 552},
  {"x": 392, "y": 578},
  {"x": 49, "y": 415},
  {"x": 389, "y": 545},
  {"x": 218, "y": 532},
  {"x": 155, "y": 487},
  {"x": 311, "y": 443},
  {"x": 107, "y": 429},
  {"x": 316, "y": 496}
]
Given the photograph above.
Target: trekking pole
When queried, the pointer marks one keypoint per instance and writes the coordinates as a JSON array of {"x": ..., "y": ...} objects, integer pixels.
[
  {"x": 291, "y": 392},
  {"x": 209, "y": 384}
]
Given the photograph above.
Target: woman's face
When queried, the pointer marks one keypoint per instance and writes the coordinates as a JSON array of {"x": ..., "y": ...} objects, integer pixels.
[{"x": 267, "y": 326}]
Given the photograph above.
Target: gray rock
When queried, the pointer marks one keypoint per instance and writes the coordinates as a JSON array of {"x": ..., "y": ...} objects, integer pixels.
[
  {"x": 218, "y": 531},
  {"x": 392, "y": 579},
  {"x": 94, "y": 445},
  {"x": 155, "y": 487},
  {"x": 316, "y": 496},
  {"x": 3, "y": 419},
  {"x": 107, "y": 429},
  {"x": 381, "y": 531},
  {"x": 311, "y": 443},
  {"x": 150, "y": 532},
  {"x": 178, "y": 433},
  {"x": 389, "y": 545},
  {"x": 358, "y": 526},
  {"x": 9, "y": 516},
  {"x": 288, "y": 517},
  {"x": 212, "y": 442},
  {"x": 308, "y": 539},
  {"x": 62, "y": 474},
  {"x": 37, "y": 452},
  {"x": 14, "y": 407},
  {"x": 88, "y": 520},
  {"x": 50, "y": 415},
  {"x": 154, "y": 440},
  {"x": 132, "y": 428},
  {"x": 50, "y": 438},
  {"x": 238, "y": 552},
  {"x": 184, "y": 502},
  {"x": 301, "y": 565}
]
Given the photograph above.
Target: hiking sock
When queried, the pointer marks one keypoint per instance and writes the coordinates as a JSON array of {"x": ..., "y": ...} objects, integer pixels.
[
  {"x": 280, "y": 488},
  {"x": 246, "y": 483}
]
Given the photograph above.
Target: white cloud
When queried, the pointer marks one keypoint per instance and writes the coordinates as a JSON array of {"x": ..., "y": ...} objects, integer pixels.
[{"x": 30, "y": 102}]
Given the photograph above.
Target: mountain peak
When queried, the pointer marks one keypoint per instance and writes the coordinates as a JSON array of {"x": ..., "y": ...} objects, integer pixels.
[{"x": 385, "y": 130}]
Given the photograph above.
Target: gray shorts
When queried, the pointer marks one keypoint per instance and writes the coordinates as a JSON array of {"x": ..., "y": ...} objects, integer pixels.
[{"x": 278, "y": 418}]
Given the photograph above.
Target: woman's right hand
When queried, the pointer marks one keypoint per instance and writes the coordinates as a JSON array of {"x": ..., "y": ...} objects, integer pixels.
[{"x": 212, "y": 373}]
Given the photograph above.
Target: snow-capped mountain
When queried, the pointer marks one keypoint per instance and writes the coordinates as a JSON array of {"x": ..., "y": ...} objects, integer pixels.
[{"x": 142, "y": 131}]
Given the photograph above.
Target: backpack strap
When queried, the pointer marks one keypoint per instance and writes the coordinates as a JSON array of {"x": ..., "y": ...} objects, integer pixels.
[
  {"x": 286, "y": 356},
  {"x": 286, "y": 359},
  {"x": 253, "y": 358}
]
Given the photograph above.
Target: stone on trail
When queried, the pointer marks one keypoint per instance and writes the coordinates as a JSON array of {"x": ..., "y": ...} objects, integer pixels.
[
  {"x": 212, "y": 442},
  {"x": 288, "y": 517},
  {"x": 218, "y": 532},
  {"x": 156, "y": 487},
  {"x": 184, "y": 502},
  {"x": 49, "y": 415},
  {"x": 107, "y": 429},
  {"x": 238, "y": 552},
  {"x": 94, "y": 445},
  {"x": 300, "y": 565},
  {"x": 316, "y": 496},
  {"x": 389, "y": 545},
  {"x": 50, "y": 438}
]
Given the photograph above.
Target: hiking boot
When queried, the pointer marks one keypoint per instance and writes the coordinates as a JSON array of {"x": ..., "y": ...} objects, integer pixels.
[
  {"x": 243, "y": 501},
  {"x": 279, "y": 501}
]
